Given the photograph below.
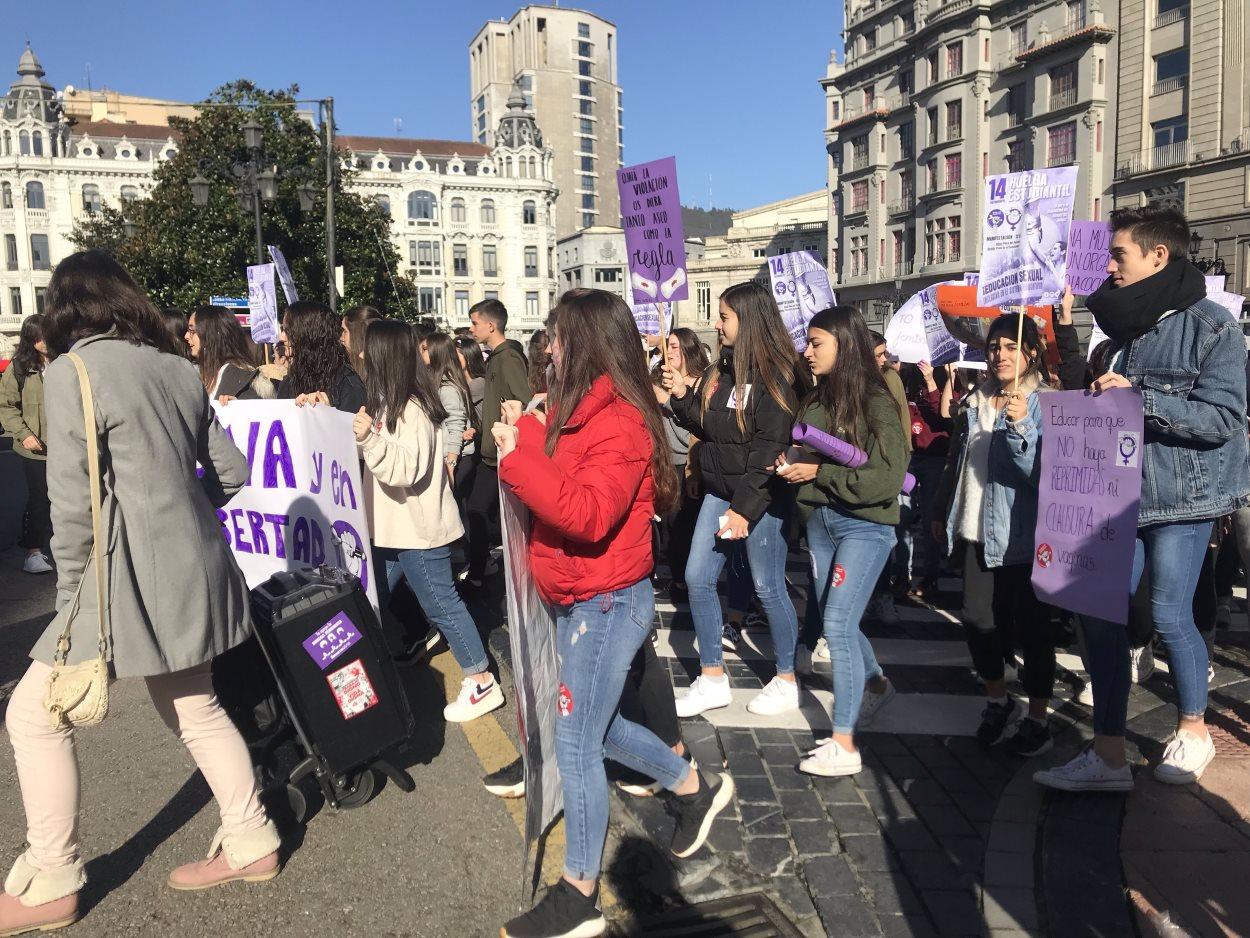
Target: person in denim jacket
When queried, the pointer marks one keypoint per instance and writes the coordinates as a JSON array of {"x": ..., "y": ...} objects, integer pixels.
[
  {"x": 1186, "y": 355},
  {"x": 990, "y": 488}
]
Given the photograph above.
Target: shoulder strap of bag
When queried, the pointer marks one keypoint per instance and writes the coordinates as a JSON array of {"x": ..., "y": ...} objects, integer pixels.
[{"x": 98, "y": 552}]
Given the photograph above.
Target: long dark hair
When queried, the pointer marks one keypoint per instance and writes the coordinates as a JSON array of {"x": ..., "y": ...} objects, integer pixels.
[
  {"x": 395, "y": 374},
  {"x": 474, "y": 361},
  {"x": 445, "y": 369},
  {"x": 692, "y": 352},
  {"x": 317, "y": 356},
  {"x": 598, "y": 336},
  {"x": 27, "y": 360},
  {"x": 176, "y": 323},
  {"x": 539, "y": 359},
  {"x": 763, "y": 350},
  {"x": 1031, "y": 344},
  {"x": 222, "y": 342},
  {"x": 90, "y": 294},
  {"x": 355, "y": 320},
  {"x": 845, "y": 392}
]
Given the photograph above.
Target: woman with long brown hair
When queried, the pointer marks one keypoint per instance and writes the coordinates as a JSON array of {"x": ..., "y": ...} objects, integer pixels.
[
  {"x": 742, "y": 411},
  {"x": 593, "y": 477},
  {"x": 352, "y": 337},
  {"x": 319, "y": 372},
  {"x": 225, "y": 356}
]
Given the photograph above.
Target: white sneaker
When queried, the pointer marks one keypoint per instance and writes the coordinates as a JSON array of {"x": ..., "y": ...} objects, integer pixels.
[
  {"x": 474, "y": 700},
  {"x": 1087, "y": 772},
  {"x": 1185, "y": 759},
  {"x": 831, "y": 760},
  {"x": 778, "y": 696},
  {"x": 37, "y": 563},
  {"x": 704, "y": 694},
  {"x": 1086, "y": 697},
  {"x": 1142, "y": 662},
  {"x": 872, "y": 704},
  {"x": 821, "y": 651}
]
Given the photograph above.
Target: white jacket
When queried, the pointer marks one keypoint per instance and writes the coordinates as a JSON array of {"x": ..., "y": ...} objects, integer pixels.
[{"x": 408, "y": 495}]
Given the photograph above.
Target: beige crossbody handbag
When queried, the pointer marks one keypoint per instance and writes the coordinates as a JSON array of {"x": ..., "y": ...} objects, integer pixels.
[{"x": 78, "y": 695}]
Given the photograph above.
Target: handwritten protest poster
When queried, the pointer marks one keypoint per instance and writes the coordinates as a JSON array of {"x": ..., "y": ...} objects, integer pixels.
[
  {"x": 655, "y": 241},
  {"x": 916, "y": 332},
  {"x": 1230, "y": 301},
  {"x": 304, "y": 503},
  {"x": 284, "y": 274},
  {"x": 1024, "y": 237},
  {"x": 802, "y": 289},
  {"x": 1088, "y": 496},
  {"x": 262, "y": 303},
  {"x": 1089, "y": 251},
  {"x": 1215, "y": 283},
  {"x": 647, "y": 317}
]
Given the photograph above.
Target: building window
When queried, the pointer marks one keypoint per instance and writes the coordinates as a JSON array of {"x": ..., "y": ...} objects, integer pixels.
[
  {"x": 954, "y": 170},
  {"x": 7, "y": 148},
  {"x": 859, "y": 196},
  {"x": 859, "y": 152},
  {"x": 1166, "y": 6},
  {"x": 529, "y": 213},
  {"x": 6, "y": 195},
  {"x": 491, "y": 295},
  {"x": 583, "y": 30},
  {"x": 907, "y": 142},
  {"x": 587, "y": 164},
  {"x": 490, "y": 265},
  {"x": 1171, "y": 70},
  {"x": 907, "y": 23},
  {"x": 588, "y": 200},
  {"x": 703, "y": 300},
  {"x": 15, "y": 301},
  {"x": 40, "y": 259},
  {"x": 426, "y": 256},
  {"x": 607, "y": 275},
  {"x": 531, "y": 260},
  {"x": 931, "y": 119},
  {"x": 870, "y": 39},
  {"x": 34, "y": 195},
  {"x": 583, "y": 49},
  {"x": 430, "y": 300},
  {"x": 1015, "y": 105},
  {"x": 457, "y": 210},
  {"x": 1098, "y": 137},
  {"x": 488, "y": 211},
  {"x": 931, "y": 176},
  {"x": 586, "y": 182},
  {"x": 1075, "y": 15},
  {"x": 583, "y": 68},
  {"x": 954, "y": 120},
  {"x": 907, "y": 186},
  {"x": 870, "y": 95},
  {"x": 952, "y": 239},
  {"x": 40, "y": 294},
  {"x": 531, "y": 305},
  {"x": 1168, "y": 132},
  {"x": 91, "y": 198},
  {"x": 954, "y": 59},
  {"x": 585, "y": 88},
  {"x": 1017, "y": 156},
  {"x": 460, "y": 260},
  {"x": 587, "y": 126},
  {"x": 1063, "y": 85},
  {"x": 10, "y": 251},
  {"x": 585, "y": 107},
  {"x": 23, "y": 142},
  {"x": 1061, "y": 144},
  {"x": 462, "y": 304},
  {"x": 586, "y": 144},
  {"x": 1017, "y": 40},
  {"x": 588, "y": 219},
  {"x": 931, "y": 62},
  {"x": 935, "y": 241},
  {"x": 422, "y": 206}
]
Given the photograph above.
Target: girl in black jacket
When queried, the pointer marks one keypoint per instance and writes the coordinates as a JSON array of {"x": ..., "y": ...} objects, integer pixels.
[{"x": 742, "y": 410}]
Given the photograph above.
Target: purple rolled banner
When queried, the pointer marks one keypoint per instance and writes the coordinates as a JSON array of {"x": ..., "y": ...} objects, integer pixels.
[{"x": 840, "y": 451}]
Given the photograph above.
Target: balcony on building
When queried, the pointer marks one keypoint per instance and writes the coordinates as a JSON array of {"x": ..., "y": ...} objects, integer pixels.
[
  {"x": 1170, "y": 12},
  {"x": 1157, "y": 158},
  {"x": 1065, "y": 97},
  {"x": 1175, "y": 83},
  {"x": 903, "y": 204}
]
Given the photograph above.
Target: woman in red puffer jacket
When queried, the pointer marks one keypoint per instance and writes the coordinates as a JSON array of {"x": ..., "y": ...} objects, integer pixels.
[{"x": 593, "y": 474}]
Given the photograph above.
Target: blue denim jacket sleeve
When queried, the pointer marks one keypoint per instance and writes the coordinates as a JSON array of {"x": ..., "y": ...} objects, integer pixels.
[
  {"x": 1024, "y": 440},
  {"x": 1215, "y": 408}
]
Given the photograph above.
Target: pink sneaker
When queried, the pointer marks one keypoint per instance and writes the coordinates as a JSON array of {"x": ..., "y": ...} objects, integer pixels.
[
  {"x": 251, "y": 857},
  {"x": 39, "y": 900},
  {"x": 17, "y": 918}
]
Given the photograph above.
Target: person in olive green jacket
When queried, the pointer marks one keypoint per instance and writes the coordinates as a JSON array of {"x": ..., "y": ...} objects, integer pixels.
[
  {"x": 850, "y": 517},
  {"x": 21, "y": 416}
]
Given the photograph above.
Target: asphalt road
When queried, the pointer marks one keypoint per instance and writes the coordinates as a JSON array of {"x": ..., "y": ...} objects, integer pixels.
[{"x": 444, "y": 860}]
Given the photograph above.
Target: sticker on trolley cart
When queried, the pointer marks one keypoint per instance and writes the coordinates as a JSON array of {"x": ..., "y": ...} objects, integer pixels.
[
  {"x": 328, "y": 643},
  {"x": 352, "y": 690}
]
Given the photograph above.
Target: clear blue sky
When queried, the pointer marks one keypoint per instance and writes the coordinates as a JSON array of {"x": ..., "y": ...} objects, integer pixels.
[{"x": 730, "y": 86}]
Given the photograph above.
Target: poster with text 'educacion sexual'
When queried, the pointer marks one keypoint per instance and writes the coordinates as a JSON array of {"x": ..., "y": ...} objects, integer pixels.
[
  {"x": 1088, "y": 495},
  {"x": 1024, "y": 237},
  {"x": 655, "y": 241}
]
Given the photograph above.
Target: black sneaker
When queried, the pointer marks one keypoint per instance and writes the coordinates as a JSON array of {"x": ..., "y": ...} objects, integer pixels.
[
  {"x": 508, "y": 782},
  {"x": 696, "y": 812},
  {"x": 1031, "y": 738},
  {"x": 562, "y": 912},
  {"x": 729, "y": 637},
  {"x": 997, "y": 722}
]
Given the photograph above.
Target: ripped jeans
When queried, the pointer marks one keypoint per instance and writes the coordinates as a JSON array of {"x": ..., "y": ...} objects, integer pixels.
[{"x": 596, "y": 641}]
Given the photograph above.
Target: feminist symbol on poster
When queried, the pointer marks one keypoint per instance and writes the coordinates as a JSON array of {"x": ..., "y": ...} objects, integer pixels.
[
  {"x": 262, "y": 303},
  {"x": 655, "y": 242},
  {"x": 801, "y": 287},
  {"x": 1088, "y": 496},
  {"x": 1024, "y": 237}
]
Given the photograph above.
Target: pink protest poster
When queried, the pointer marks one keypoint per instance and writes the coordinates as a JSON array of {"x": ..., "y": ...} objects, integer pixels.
[{"x": 655, "y": 242}]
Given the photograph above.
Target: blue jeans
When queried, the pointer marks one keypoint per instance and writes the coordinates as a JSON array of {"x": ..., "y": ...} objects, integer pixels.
[
  {"x": 848, "y": 554},
  {"x": 766, "y": 554},
  {"x": 596, "y": 641},
  {"x": 1174, "y": 553},
  {"x": 428, "y": 573}
]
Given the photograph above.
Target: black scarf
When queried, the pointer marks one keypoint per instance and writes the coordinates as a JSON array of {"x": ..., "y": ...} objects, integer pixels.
[{"x": 1125, "y": 313}]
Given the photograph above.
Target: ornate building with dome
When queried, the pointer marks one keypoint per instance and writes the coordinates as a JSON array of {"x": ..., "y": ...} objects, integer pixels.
[{"x": 469, "y": 221}]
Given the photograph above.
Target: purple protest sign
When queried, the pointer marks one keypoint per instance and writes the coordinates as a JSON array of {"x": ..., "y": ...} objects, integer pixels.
[
  {"x": 328, "y": 643},
  {"x": 1089, "y": 250},
  {"x": 1087, "y": 502},
  {"x": 1024, "y": 232},
  {"x": 802, "y": 289},
  {"x": 655, "y": 241}
]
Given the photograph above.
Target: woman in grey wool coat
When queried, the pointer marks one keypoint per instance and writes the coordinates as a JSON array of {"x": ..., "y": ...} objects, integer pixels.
[{"x": 176, "y": 598}]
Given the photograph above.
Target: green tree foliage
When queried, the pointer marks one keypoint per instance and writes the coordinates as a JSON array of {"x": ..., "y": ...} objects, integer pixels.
[{"x": 183, "y": 253}]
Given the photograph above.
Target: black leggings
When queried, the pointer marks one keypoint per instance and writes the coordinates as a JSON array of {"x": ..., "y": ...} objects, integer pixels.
[
  {"x": 678, "y": 530},
  {"x": 477, "y": 491},
  {"x": 1000, "y": 608},
  {"x": 37, "y": 519}
]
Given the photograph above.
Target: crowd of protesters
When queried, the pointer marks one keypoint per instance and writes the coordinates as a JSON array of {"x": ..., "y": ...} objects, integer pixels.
[{"x": 615, "y": 448}]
